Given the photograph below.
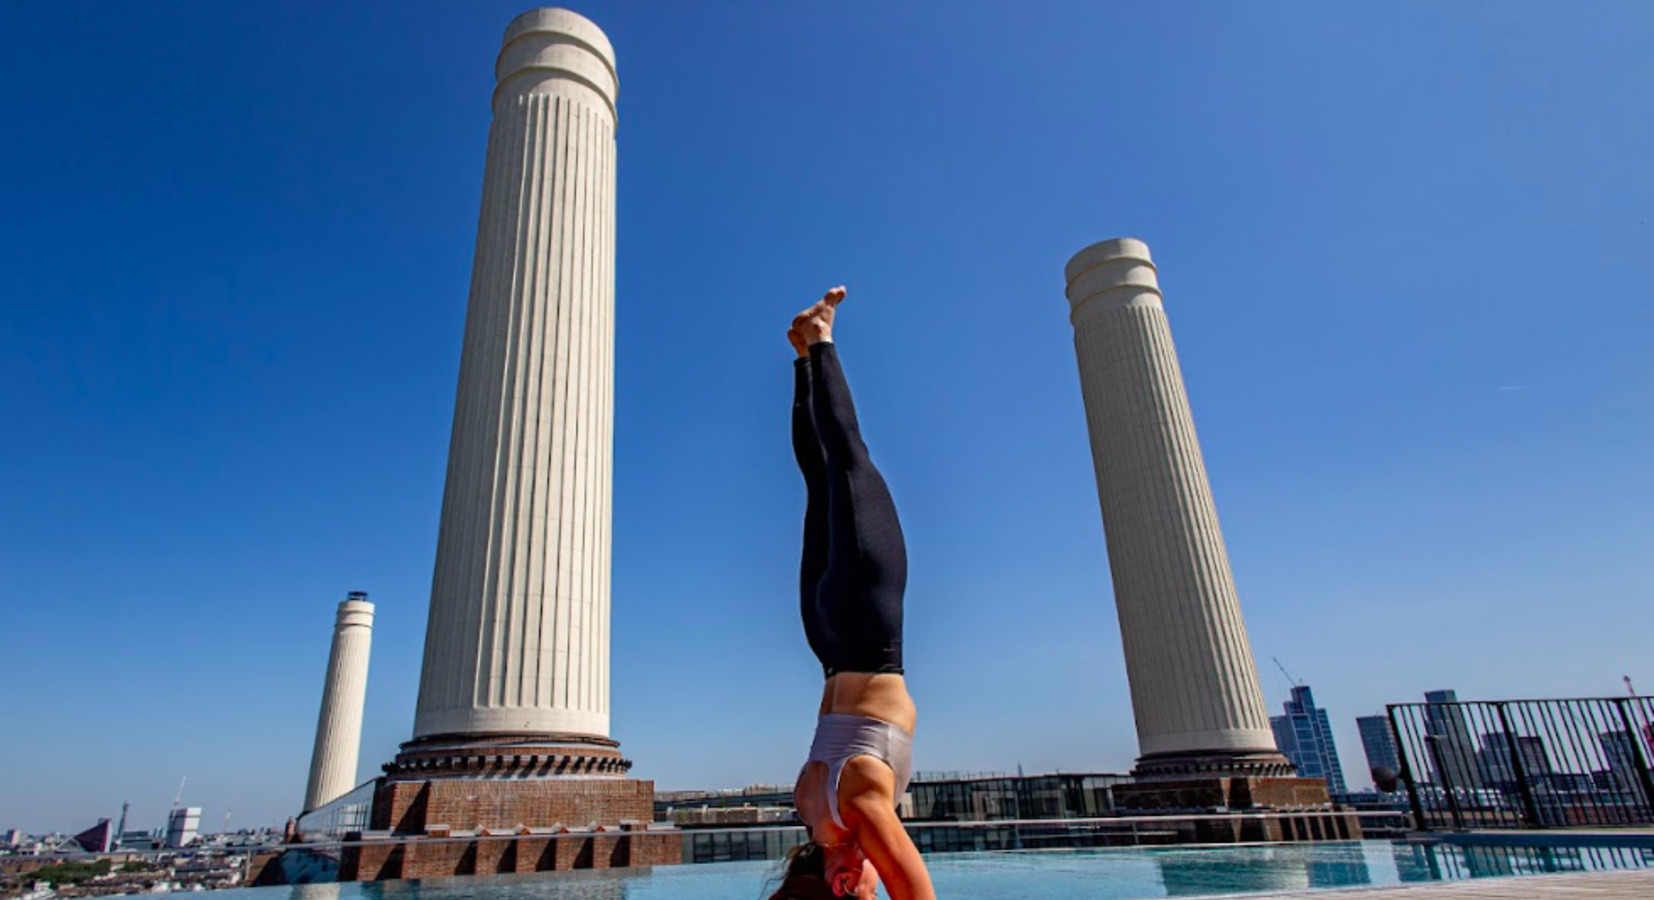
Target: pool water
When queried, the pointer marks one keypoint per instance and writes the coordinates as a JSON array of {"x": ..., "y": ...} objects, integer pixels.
[{"x": 1111, "y": 874}]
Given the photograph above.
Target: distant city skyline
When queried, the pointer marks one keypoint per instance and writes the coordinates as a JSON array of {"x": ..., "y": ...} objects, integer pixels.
[{"x": 233, "y": 273}]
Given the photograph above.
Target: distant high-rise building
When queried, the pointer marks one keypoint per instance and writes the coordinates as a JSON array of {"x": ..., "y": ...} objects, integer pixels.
[
  {"x": 183, "y": 825},
  {"x": 1495, "y": 758},
  {"x": 1620, "y": 750},
  {"x": 1379, "y": 742},
  {"x": 1305, "y": 735},
  {"x": 1454, "y": 759},
  {"x": 11, "y": 838}
]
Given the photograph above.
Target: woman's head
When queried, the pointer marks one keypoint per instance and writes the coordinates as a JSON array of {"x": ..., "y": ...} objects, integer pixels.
[{"x": 814, "y": 871}]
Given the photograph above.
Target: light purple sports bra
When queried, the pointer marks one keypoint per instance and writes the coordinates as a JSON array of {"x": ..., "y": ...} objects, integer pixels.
[{"x": 841, "y": 737}]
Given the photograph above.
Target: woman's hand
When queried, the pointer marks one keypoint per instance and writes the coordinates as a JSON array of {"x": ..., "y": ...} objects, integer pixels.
[{"x": 868, "y": 887}]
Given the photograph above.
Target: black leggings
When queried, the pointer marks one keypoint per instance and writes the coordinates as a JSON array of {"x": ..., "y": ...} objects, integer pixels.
[{"x": 854, "y": 568}]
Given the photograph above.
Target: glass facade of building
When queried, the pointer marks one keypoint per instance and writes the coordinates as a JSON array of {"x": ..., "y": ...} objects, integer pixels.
[
  {"x": 739, "y": 845},
  {"x": 1021, "y": 797},
  {"x": 1379, "y": 742},
  {"x": 1495, "y": 758},
  {"x": 1020, "y": 802},
  {"x": 1305, "y": 735},
  {"x": 1453, "y": 761},
  {"x": 340, "y": 817}
]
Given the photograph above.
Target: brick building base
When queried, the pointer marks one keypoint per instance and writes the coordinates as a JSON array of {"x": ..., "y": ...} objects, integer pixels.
[
  {"x": 1225, "y": 792},
  {"x": 1282, "y": 796},
  {"x": 390, "y": 857},
  {"x": 502, "y": 804}
]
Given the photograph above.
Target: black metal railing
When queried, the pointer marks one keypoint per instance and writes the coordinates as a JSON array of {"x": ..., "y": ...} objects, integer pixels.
[{"x": 1527, "y": 763}]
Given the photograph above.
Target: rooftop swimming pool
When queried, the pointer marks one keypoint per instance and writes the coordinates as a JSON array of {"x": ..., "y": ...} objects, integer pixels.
[{"x": 1111, "y": 874}]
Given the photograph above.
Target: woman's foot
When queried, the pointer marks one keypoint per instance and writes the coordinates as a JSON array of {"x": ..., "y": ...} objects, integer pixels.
[
  {"x": 798, "y": 342},
  {"x": 815, "y": 324}
]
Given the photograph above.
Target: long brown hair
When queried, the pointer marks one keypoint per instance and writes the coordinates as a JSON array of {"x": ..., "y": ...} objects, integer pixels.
[{"x": 804, "y": 874}]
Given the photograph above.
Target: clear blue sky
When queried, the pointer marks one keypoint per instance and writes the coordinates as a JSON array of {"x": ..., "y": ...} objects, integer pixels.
[{"x": 1407, "y": 259}]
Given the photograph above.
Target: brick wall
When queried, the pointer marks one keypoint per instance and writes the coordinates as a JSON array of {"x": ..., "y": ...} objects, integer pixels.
[
  {"x": 1223, "y": 792},
  {"x": 1275, "y": 793},
  {"x": 428, "y": 858},
  {"x": 416, "y": 808},
  {"x": 409, "y": 807}
]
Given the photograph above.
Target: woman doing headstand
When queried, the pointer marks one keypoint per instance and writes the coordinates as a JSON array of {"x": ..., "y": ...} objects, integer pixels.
[{"x": 851, "y": 581}]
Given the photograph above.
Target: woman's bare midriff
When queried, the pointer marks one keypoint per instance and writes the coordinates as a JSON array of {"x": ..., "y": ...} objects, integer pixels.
[{"x": 879, "y": 696}]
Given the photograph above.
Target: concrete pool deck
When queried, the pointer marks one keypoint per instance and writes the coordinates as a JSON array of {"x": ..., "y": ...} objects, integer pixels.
[{"x": 1620, "y": 884}]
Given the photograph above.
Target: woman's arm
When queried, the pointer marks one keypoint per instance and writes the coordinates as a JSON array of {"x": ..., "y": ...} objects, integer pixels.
[{"x": 880, "y": 834}]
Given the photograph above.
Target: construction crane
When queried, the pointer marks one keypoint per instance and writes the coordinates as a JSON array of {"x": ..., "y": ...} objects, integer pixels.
[
  {"x": 178, "y": 797},
  {"x": 1295, "y": 682}
]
